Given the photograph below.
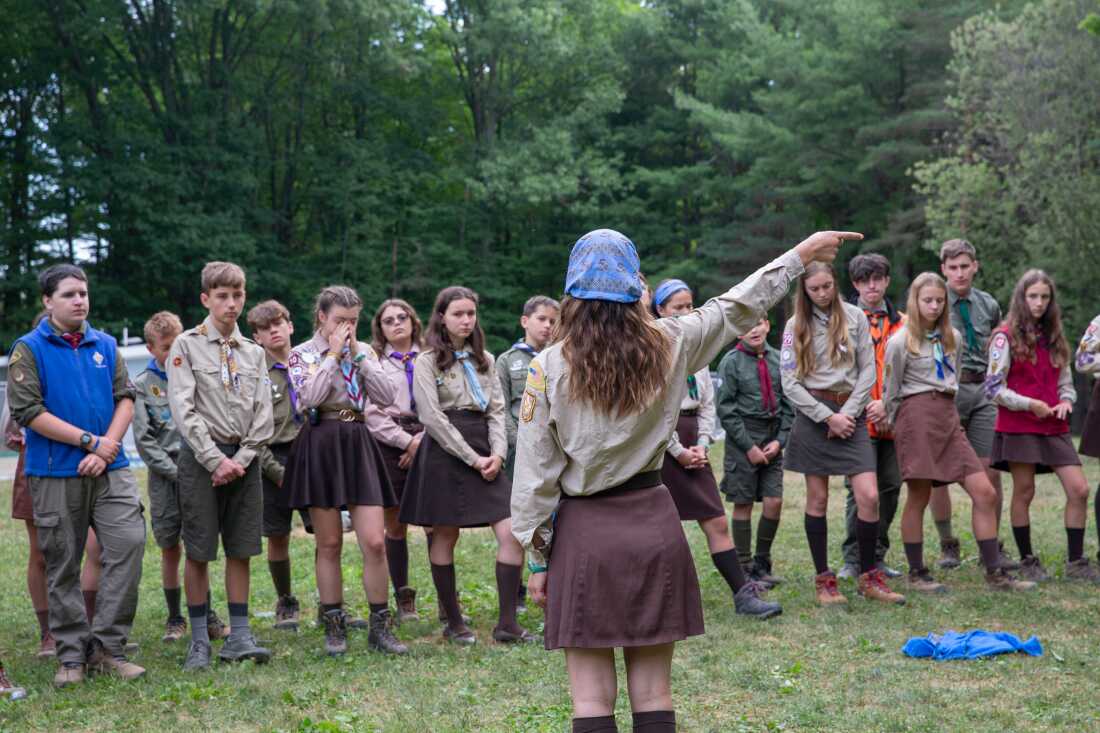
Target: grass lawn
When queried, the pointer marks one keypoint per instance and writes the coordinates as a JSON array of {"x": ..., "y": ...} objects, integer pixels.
[{"x": 808, "y": 670}]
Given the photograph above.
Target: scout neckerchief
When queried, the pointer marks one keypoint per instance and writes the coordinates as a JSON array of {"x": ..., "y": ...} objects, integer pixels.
[
  {"x": 230, "y": 379},
  {"x": 525, "y": 347},
  {"x": 767, "y": 390},
  {"x": 73, "y": 339},
  {"x": 877, "y": 321},
  {"x": 942, "y": 360},
  {"x": 471, "y": 379},
  {"x": 406, "y": 360},
  {"x": 971, "y": 334},
  {"x": 290, "y": 391},
  {"x": 355, "y": 392},
  {"x": 155, "y": 369}
]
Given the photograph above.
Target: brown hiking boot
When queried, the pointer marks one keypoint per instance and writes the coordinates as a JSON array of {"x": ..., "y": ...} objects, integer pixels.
[
  {"x": 1080, "y": 569},
  {"x": 336, "y": 631},
  {"x": 1006, "y": 560},
  {"x": 1001, "y": 579},
  {"x": 174, "y": 629},
  {"x": 1031, "y": 569},
  {"x": 950, "y": 554},
  {"x": 287, "y": 613},
  {"x": 872, "y": 586},
  {"x": 47, "y": 647},
  {"x": 381, "y": 638},
  {"x": 69, "y": 673},
  {"x": 118, "y": 667},
  {"x": 406, "y": 605},
  {"x": 827, "y": 593},
  {"x": 923, "y": 582},
  {"x": 215, "y": 627}
]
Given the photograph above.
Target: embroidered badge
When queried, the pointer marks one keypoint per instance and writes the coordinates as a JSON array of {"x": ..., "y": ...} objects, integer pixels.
[
  {"x": 788, "y": 338},
  {"x": 15, "y": 358},
  {"x": 98, "y": 358},
  {"x": 156, "y": 391},
  {"x": 178, "y": 361},
  {"x": 995, "y": 354},
  {"x": 999, "y": 342},
  {"x": 518, "y": 364},
  {"x": 527, "y": 407},
  {"x": 536, "y": 379},
  {"x": 787, "y": 355},
  {"x": 18, "y": 375},
  {"x": 1092, "y": 328}
]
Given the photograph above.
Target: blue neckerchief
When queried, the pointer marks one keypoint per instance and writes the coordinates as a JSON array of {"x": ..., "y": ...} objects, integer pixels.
[
  {"x": 155, "y": 369},
  {"x": 942, "y": 360},
  {"x": 471, "y": 379},
  {"x": 348, "y": 370},
  {"x": 525, "y": 347}
]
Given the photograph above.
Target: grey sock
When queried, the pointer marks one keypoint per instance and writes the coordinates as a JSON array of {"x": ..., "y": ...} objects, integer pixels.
[
  {"x": 197, "y": 615},
  {"x": 238, "y": 618}
]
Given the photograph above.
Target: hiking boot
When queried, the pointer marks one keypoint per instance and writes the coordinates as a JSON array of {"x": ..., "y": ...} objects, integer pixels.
[
  {"x": 1001, "y": 579},
  {"x": 1006, "y": 560},
  {"x": 848, "y": 572},
  {"x": 336, "y": 632},
  {"x": 69, "y": 673},
  {"x": 47, "y": 647},
  {"x": 174, "y": 630},
  {"x": 1031, "y": 569},
  {"x": 406, "y": 605},
  {"x": 886, "y": 570},
  {"x": 872, "y": 586},
  {"x": 827, "y": 593},
  {"x": 239, "y": 647},
  {"x": 761, "y": 572},
  {"x": 215, "y": 627},
  {"x": 1080, "y": 569},
  {"x": 923, "y": 582},
  {"x": 119, "y": 667},
  {"x": 198, "y": 656},
  {"x": 287, "y": 613},
  {"x": 950, "y": 554},
  {"x": 462, "y": 636},
  {"x": 352, "y": 622},
  {"x": 747, "y": 602},
  {"x": 9, "y": 689},
  {"x": 381, "y": 638},
  {"x": 443, "y": 612}
]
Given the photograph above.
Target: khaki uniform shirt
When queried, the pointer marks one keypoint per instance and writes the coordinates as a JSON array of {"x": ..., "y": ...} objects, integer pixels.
[
  {"x": 996, "y": 379},
  {"x": 573, "y": 449},
  {"x": 437, "y": 391},
  {"x": 906, "y": 374},
  {"x": 708, "y": 414},
  {"x": 155, "y": 433},
  {"x": 740, "y": 397},
  {"x": 25, "y": 401},
  {"x": 512, "y": 368},
  {"x": 286, "y": 423},
  {"x": 855, "y": 374},
  {"x": 382, "y": 420},
  {"x": 320, "y": 382},
  {"x": 1088, "y": 351},
  {"x": 205, "y": 411},
  {"x": 985, "y": 315}
]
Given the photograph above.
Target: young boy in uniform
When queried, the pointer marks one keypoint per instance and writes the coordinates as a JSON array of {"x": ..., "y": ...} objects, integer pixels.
[
  {"x": 69, "y": 388},
  {"x": 158, "y": 444},
  {"x": 870, "y": 275},
  {"x": 974, "y": 313},
  {"x": 272, "y": 328},
  {"x": 219, "y": 397},
  {"x": 757, "y": 419}
]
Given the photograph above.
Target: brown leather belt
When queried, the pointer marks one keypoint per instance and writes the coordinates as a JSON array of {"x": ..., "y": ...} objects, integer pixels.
[
  {"x": 346, "y": 415},
  {"x": 971, "y": 376},
  {"x": 825, "y": 394}
]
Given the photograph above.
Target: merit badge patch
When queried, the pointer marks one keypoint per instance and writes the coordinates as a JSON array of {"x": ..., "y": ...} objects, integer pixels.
[
  {"x": 178, "y": 361},
  {"x": 527, "y": 407},
  {"x": 18, "y": 375},
  {"x": 999, "y": 342},
  {"x": 98, "y": 358},
  {"x": 15, "y": 358},
  {"x": 788, "y": 338},
  {"x": 155, "y": 390},
  {"x": 536, "y": 379}
]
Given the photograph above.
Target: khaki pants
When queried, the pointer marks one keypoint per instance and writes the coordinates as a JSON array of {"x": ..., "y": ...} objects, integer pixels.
[{"x": 64, "y": 508}]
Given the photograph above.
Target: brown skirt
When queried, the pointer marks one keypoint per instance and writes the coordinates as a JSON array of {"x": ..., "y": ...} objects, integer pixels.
[
  {"x": 930, "y": 441},
  {"x": 1090, "y": 435},
  {"x": 442, "y": 490},
  {"x": 621, "y": 573},
  {"x": 694, "y": 491},
  {"x": 334, "y": 465},
  {"x": 1045, "y": 452},
  {"x": 22, "y": 507},
  {"x": 392, "y": 455},
  {"x": 810, "y": 451}
]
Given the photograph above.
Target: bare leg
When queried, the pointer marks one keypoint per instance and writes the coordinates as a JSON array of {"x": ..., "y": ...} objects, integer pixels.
[
  {"x": 328, "y": 531},
  {"x": 592, "y": 682},
  {"x": 649, "y": 677}
]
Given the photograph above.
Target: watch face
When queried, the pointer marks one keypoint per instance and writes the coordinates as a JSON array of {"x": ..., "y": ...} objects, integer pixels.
[{"x": 85, "y": 439}]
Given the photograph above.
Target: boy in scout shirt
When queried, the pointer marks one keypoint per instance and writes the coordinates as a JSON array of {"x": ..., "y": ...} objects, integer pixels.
[
  {"x": 219, "y": 397},
  {"x": 272, "y": 328},
  {"x": 757, "y": 420},
  {"x": 68, "y": 387}
]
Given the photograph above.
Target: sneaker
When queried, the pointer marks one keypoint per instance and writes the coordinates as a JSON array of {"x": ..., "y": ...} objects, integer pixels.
[
  {"x": 950, "y": 554},
  {"x": 1080, "y": 569},
  {"x": 243, "y": 646},
  {"x": 381, "y": 638},
  {"x": 198, "y": 656},
  {"x": 462, "y": 636},
  {"x": 174, "y": 630},
  {"x": 47, "y": 647},
  {"x": 336, "y": 632},
  {"x": 923, "y": 582},
  {"x": 886, "y": 570},
  {"x": 9, "y": 689},
  {"x": 287, "y": 613},
  {"x": 117, "y": 667},
  {"x": 872, "y": 586},
  {"x": 1006, "y": 560},
  {"x": 761, "y": 572},
  {"x": 827, "y": 593},
  {"x": 747, "y": 602},
  {"x": 1001, "y": 579},
  {"x": 69, "y": 673},
  {"x": 406, "y": 605},
  {"x": 215, "y": 627},
  {"x": 1031, "y": 569},
  {"x": 848, "y": 572}
]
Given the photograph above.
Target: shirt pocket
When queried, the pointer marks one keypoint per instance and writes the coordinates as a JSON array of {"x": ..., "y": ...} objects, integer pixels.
[
  {"x": 518, "y": 381},
  {"x": 249, "y": 381}
]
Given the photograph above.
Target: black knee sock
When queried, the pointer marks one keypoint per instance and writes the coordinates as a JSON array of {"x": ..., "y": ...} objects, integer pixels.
[
  {"x": 867, "y": 539},
  {"x": 990, "y": 551},
  {"x": 914, "y": 553},
  {"x": 730, "y": 568},
  {"x": 741, "y": 529},
  {"x": 766, "y": 530},
  {"x": 172, "y": 600},
  {"x": 655, "y": 721},
  {"x": 508, "y": 579},
  {"x": 443, "y": 576},
  {"x": 817, "y": 533},
  {"x": 1023, "y": 539},
  {"x": 280, "y": 576},
  {"x": 397, "y": 558},
  {"x": 1075, "y": 537},
  {"x": 603, "y": 724}
]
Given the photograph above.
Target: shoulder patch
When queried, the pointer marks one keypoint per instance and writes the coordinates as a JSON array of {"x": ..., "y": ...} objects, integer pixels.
[
  {"x": 788, "y": 338},
  {"x": 999, "y": 340},
  {"x": 536, "y": 378},
  {"x": 17, "y": 355},
  {"x": 178, "y": 361},
  {"x": 527, "y": 406}
]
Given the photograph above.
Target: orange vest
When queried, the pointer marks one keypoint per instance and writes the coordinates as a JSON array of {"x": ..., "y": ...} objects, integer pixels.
[{"x": 881, "y": 331}]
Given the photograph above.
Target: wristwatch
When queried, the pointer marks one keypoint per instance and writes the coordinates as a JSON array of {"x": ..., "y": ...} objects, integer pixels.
[{"x": 86, "y": 441}]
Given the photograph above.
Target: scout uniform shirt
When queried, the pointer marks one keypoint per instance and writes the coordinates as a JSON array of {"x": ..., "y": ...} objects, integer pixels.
[
  {"x": 571, "y": 448},
  {"x": 985, "y": 315},
  {"x": 436, "y": 391},
  {"x": 331, "y": 384},
  {"x": 741, "y": 405},
  {"x": 512, "y": 368},
  {"x": 1088, "y": 350},
  {"x": 382, "y": 421},
  {"x": 855, "y": 375},
  {"x": 219, "y": 393},
  {"x": 158, "y": 440},
  {"x": 702, "y": 401},
  {"x": 906, "y": 374},
  {"x": 284, "y": 415},
  {"x": 884, "y": 321}
]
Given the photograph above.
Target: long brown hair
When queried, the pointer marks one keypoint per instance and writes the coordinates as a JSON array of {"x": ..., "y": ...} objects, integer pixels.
[
  {"x": 618, "y": 357},
  {"x": 1024, "y": 331},
  {"x": 914, "y": 328},
  {"x": 438, "y": 340},
  {"x": 840, "y": 351},
  {"x": 378, "y": 338}
]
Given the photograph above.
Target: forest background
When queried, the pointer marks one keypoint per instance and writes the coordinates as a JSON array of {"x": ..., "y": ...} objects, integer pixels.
[{"x": 400, "y": 147}]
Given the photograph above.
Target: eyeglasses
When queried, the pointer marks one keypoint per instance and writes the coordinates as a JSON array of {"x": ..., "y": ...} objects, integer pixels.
[{"x": 394, "y": 320}]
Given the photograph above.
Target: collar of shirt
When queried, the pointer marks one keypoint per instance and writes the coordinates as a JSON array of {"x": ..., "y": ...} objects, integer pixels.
[
  {"x": 319, "y": 343},
  {"x": 953, "y": 297},
  {"x": 820, "y": 316},
  {"x": 213, "y": 334},
  {"x": 155, "y": 368},
  {"x": 390, "y": 350},
  {"x": 880, "y": 310},
  {"x": 525, "y": 347}
]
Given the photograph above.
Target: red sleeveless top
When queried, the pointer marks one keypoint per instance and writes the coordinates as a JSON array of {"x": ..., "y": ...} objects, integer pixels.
[{"x": 1038, "y": 380}]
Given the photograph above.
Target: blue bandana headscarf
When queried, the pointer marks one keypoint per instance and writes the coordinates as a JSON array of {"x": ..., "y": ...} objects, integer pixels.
[
  {"x": 604, "y": 266},
  {"x": 667, "y": 289}
]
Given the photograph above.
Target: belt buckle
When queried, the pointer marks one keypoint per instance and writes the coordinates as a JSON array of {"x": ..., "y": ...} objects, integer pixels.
[{"x": 347, "y": 416}]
